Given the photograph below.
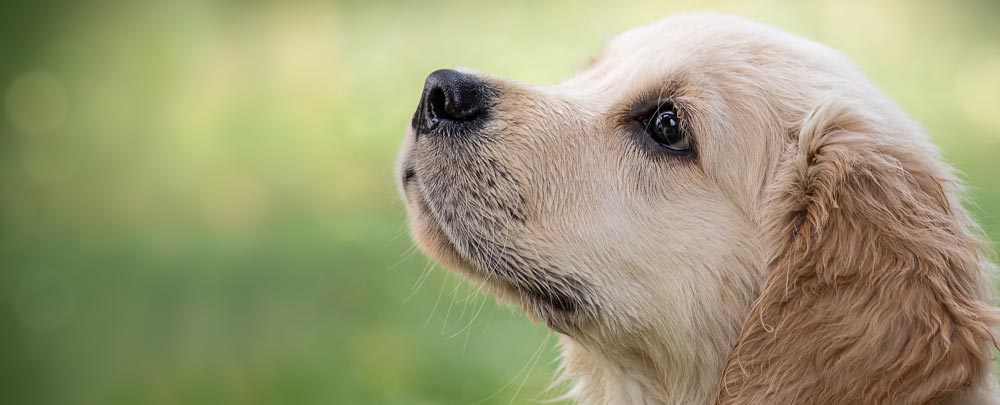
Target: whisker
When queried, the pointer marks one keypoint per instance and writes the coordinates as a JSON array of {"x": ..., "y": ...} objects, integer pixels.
[
  {"x": 400, "y": 232},
  {"x": 419, "y": 283},
  {"x": 538, "y": 356},
  {"x": 531, "y": 361},
  {"x": 447, "y": 314},
  {"x": 408, "y": 255},
  {"x": 461, "y": 316},
  {"x": 444, "y": 280},
  {"x": 474, "y": 316}
]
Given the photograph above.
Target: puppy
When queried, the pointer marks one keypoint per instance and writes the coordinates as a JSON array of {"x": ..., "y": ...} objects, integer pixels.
[{"x": 714, "y": 211}]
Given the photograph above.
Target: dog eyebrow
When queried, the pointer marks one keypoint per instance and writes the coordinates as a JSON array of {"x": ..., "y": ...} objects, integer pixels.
[{"x": 671, "y": 90}]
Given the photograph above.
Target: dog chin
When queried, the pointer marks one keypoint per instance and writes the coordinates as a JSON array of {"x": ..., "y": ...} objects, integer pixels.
[{"x": 558, "y": 311}]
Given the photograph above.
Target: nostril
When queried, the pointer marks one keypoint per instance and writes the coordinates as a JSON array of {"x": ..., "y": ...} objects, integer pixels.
[
  {"x": 462, "y": 101},
  {"x": 454, "y": 100},
  {"x": 436, "y": 106}
]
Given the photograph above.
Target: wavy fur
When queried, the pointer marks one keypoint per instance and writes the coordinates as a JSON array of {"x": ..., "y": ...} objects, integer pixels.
[{"x": 876, "y": 290}]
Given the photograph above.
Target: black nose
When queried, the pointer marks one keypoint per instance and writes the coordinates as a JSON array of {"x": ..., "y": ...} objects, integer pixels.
[{"x": 452, "y": 103}]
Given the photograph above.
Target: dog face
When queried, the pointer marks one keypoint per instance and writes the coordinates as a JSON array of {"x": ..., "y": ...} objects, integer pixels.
[
  {"x": 631, "y": 189},
  {"x": 647, "y": 207}
]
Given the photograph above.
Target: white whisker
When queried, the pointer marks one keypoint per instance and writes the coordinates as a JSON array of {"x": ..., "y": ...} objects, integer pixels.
[
  {"x": 444, "y": 280},
  {"x": 532, "y": 362}
]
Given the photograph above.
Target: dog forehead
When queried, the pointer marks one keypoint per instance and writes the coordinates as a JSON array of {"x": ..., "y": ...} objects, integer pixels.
[
  {"x": 705, "y": 50},
  {"x": 651, "y": 54},
  {"x": 685, "y": 33}
]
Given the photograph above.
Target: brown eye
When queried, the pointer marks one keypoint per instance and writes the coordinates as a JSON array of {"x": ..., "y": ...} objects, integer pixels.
[{"x": 664, "y": 128}]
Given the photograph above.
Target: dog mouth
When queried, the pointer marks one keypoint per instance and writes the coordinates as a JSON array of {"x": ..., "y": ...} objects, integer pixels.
[{"x": 542, "y": 290}]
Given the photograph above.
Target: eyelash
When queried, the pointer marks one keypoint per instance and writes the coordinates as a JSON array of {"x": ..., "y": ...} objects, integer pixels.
[{"x": 645, "y": 107}]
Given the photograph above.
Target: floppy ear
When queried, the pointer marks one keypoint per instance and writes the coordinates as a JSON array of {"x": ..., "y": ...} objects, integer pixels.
[{"x": 876, "y": 285}]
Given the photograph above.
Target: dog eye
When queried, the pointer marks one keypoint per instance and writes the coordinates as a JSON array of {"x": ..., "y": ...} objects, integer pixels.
[{"x": 664, "y": 128}]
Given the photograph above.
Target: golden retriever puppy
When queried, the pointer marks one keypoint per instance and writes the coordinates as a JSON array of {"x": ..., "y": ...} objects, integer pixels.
[{"x": 714, "y": 211}]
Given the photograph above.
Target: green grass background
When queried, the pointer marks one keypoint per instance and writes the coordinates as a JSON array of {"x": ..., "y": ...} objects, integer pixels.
[{"x": 197, "y": 202}]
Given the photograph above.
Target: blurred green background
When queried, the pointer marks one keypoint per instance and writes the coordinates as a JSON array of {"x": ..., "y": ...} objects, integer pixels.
[{"x": 197, "y": 202}]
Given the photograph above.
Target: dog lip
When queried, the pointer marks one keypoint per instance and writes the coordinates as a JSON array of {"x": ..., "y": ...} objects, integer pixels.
[
  {"x": 409, "y": 174},
  {"x": 555, "y": 300}
]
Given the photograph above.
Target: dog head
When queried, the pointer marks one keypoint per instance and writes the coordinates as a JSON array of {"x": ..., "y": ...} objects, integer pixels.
[
  {"x": 634, "y": 186},
  {"x": 645, "y": 207}
]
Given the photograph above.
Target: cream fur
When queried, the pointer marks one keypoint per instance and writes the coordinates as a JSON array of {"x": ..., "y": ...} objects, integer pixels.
[{"x": 814, "y": 251}]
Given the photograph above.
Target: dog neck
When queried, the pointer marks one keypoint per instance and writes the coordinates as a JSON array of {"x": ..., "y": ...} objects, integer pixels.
[{"x": 649, "y": 375}]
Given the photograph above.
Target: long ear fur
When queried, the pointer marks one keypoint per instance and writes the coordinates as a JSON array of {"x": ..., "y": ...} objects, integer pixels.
[{"x": 876, "y": 289}]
